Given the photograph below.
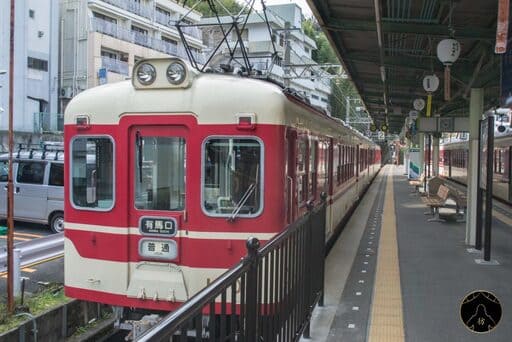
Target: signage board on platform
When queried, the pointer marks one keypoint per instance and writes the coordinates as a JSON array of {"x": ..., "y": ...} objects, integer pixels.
[{"x": 414, "y": 168}]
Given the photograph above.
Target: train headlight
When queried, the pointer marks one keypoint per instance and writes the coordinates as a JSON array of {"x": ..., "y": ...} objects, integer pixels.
[
  {"x": 146, "y": 74},
  {"x": 176, "y": 73}
]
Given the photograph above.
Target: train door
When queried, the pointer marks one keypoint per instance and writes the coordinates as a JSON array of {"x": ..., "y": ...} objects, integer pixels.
[
  {"x": 157, "y": 183},
  {"x": 509, "y": 165},
  {"x": 291, "y": 181}
]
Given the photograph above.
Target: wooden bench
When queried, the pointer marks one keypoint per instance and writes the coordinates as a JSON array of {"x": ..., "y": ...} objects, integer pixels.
[
  {"x": 437, "y": 201},
  {"x": 461, "y": 202},
  {"x": 417, "y": 183}
]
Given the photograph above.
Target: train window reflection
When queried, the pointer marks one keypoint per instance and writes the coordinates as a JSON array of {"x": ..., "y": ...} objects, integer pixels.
[
  {"x": 232, "y": 177},
  {"x": 92, "y": 172},
  {"x": 160, "y": 173}
]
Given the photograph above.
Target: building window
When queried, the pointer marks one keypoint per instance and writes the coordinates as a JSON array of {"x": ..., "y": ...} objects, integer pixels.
[
  {"x": 169, "y": 40},
  {"x": 306, "y": 49},
  {"x": 163, "y": 12},
  {"x": 315, "y": 97},
  {"x": 109, "y": 54},
  {"x": 104, "y": 17},
  {"x": 31, "y": 13},
  {"x": 139, "y": 30},
  {"x": 37, "y": 64}
]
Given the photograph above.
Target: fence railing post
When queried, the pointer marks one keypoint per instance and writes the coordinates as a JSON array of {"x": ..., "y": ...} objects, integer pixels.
[
  {"x": 323, "y": 196},
  {"x": 251, "y": 316},
  {"x": 310, "y": 278}
]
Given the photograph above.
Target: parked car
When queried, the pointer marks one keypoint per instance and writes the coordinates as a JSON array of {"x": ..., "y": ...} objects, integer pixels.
[{"x": 38, "y": 186}]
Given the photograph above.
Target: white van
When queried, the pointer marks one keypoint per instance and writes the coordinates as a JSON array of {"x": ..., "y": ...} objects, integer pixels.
[{"x": 38, "y": 186}]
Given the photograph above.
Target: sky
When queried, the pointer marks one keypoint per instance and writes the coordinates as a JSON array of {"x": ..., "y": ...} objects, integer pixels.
[{"x": 302, "y": 3}]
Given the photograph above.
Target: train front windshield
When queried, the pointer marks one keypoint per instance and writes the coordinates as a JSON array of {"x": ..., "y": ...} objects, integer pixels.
[
  {"x": 232, "y": 177},
  {"x": 160, "y": 173}
]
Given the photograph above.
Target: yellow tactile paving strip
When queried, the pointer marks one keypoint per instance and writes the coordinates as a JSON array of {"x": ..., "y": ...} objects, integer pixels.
[{"x": 386, "y": 319}]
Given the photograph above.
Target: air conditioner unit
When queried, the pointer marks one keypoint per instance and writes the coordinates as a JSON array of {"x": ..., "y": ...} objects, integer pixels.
[{"x": 66, "y": 92}]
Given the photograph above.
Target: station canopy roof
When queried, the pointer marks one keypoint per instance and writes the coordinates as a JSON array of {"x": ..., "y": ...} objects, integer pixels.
[{"x": 389, "y": 75}]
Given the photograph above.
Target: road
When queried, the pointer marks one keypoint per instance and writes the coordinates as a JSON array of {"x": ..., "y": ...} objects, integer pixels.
[{"x": 36, "y": 275}]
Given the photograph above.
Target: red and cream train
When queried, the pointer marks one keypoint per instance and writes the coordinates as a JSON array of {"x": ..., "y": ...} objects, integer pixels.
[
  {"x": 454, "y": 160},
  {"x": 171, "y": 172}
]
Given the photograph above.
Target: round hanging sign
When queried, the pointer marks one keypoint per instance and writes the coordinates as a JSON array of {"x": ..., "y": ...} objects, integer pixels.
[
  {"x": 431, "y": 83},
  {"x": 373, "y": 128},
  {"x": 419, "y": 104},
  {"x": 384, "y": 128}
]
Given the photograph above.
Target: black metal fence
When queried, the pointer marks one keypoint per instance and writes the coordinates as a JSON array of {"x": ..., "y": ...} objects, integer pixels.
[{"x": 268, "y": 296}]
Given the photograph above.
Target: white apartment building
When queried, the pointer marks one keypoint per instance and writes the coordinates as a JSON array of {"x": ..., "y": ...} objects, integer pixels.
[
  {"x": 103, "y": 39},
  {"x": 36, "y": 42},
  {"x": 258, "y": 42}
]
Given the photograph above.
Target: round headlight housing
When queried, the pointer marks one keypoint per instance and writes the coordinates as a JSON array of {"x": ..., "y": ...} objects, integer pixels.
[
  {"x": 176, "y": 73},
  {"x": 146, "y": 74}
]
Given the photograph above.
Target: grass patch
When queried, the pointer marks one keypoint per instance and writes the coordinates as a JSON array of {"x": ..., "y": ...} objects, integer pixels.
[
  {"x": 93, "y": 323},
  {"x": 42, "y": 301}
]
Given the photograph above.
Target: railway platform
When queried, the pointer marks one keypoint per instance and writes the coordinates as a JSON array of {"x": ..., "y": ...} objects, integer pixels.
[{"x": 395, "y": 276}]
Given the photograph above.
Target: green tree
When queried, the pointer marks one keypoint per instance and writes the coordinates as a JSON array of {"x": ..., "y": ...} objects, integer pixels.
[
  {"x": 324, "y": 52},
  {"x": 341, "y": 88},
  {"x": 204, "y": 7}
]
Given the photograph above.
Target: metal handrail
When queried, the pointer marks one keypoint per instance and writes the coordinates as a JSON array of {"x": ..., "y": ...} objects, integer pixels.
[
  {"x": 276, "y": 303},
  {"x": 36, "y": 250}
]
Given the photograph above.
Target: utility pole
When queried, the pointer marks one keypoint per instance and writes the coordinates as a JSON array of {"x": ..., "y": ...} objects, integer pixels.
[
  {"x": 10, "y": 192},
  {"x": 287, "y": 54},
  {"x": 347, "y": 116}
]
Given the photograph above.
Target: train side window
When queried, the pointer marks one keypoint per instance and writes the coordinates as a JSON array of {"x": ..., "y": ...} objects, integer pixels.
[
  {"x": 56, "y": 174},
  {"x": 313, "y": 145},
  {"x": 92, "y": 173},
  {"x": 302, "y": 177},
  {"x": 323, "y": 166},
  {"x": 160, "y": 173},
  {"x": 336, "y": 162},
  {"x": 232, "y": 177}
]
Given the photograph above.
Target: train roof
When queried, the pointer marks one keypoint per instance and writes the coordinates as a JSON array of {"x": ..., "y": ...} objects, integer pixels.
[{"x": 211, "y": 98}]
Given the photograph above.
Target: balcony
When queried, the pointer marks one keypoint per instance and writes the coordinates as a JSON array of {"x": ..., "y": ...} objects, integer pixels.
[
  {"x": 115, "y": 65},
  {"x": 192, "y": 31},
  {"x": 141, "y": 39},
  {"x": 166, "y": 47},
  {"x": 116, "y": 31},
  {"x": 133, "y": 6},
  {"x": 48, "y": 123},
  {"x": 164, "y": 19}
]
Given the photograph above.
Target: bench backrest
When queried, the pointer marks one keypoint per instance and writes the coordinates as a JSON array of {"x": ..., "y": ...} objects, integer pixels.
[
  {"x": 434, "y": 183},
  {"x": 443, "y": 192}
]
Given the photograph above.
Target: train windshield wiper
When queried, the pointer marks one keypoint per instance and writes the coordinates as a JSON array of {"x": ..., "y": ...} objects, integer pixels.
[{"x": 242, "y": 201}]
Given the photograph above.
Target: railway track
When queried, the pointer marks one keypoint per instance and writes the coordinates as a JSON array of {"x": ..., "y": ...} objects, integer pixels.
[{"x": 501, "y": 210}]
